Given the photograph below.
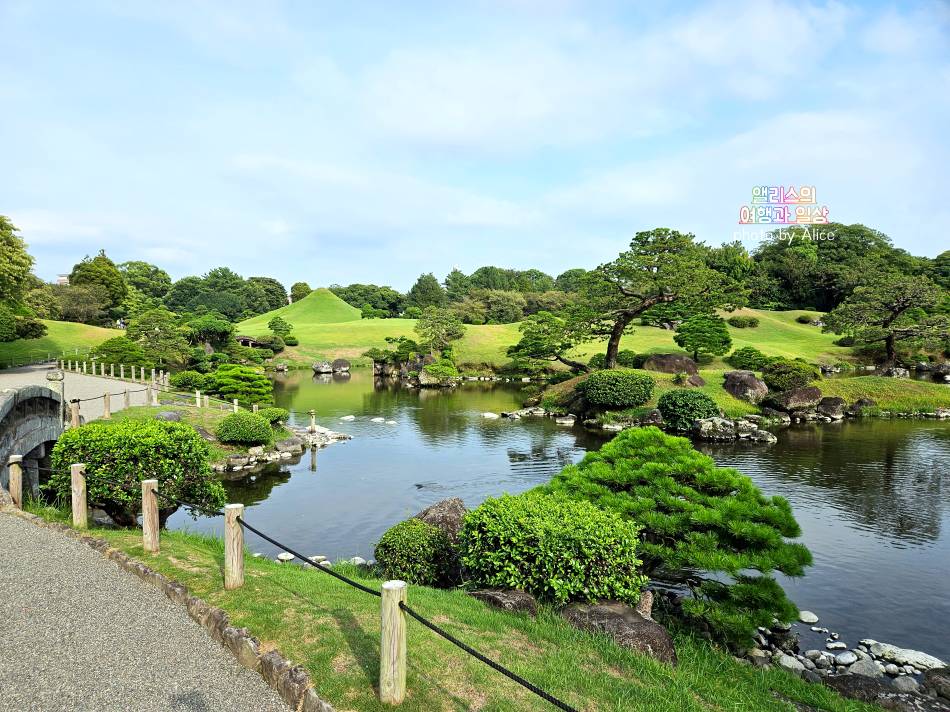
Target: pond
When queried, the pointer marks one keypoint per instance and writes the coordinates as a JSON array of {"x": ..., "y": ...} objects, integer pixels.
[{"x": 871, "y": 496}]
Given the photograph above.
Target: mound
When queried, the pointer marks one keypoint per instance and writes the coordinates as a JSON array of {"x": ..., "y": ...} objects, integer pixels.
[{"x": 321, "y": 306}]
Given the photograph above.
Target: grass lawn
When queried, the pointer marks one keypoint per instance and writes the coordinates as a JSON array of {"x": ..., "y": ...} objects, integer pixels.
[
  {"x": 898, "y": 395},
  {"x": 63, "y": 339},
  {"x": 333, "y": 630}
]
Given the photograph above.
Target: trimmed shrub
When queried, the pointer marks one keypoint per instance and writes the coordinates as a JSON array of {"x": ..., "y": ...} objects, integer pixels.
[
  {"x": 617, "y": 388},
  {"x": 274, "y": 416},
  {"x": 707, "y": 527},
  {"x": 628, "y": 359},
  {"x": 557, "y": 549},
  {"x": 246, "y": 384},
  {"x": 244, "y": 428},
  {"x": 443, "y": 369},
  {"x": 291, "y": 340},
  {"x": 680, "y": 407},
  {"x": 121, "y": 453},
  {"x": 189, "y": 381},
  {"x": 844, "y": 341},
  {"x": 804, "y": 319},
  {"x": 416, "y": 552},
  {"x": 597, "y": 361},
  {"x": 785, "y": 375},
  {"x": 748, "y": 358},
  {"x": 743, "y": 322}
]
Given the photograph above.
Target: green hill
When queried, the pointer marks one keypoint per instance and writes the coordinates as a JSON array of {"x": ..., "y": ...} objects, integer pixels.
[
  {"x": 321, "y": 306},
  {"x": 64, "y": 339}
]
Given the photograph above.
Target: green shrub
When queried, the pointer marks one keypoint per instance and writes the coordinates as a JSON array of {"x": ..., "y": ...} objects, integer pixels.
[
  {"x": 748, "y": 358},
  {"x": 291, "y": 340},
  {"x": 443, "y": 369},
  {"x": 597, "y": 361},
  {"x": 272, "y": 342},
  {"x": 274, "y": 416},
  {"x": 247, "y": 384},
  {"x": 744, "y": 322},
  {"x": 785, "y": 374},
  {"x": 416, "y": 552},
  {"x": 119, "y": 454},
  {"x": 628, "y": 359},
  {"x": 189, "y": 381},
  {"x": 617, "y": 388},
  {"x": 244, "y": 428},
  {"x": 555, "y": 548},
  {"x": 412, "y": 312},
  {"x": 680, "y": 407},
  {"x": 844, "y": 341},
  {"x": 7, "y": 324},
  {"x": 707, "y": 527},
  {"x": 804, "y": 319}
]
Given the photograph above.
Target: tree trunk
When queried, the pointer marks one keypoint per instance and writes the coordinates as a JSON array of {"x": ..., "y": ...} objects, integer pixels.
[
  {"x": 613, "y": 343},
  {"x": 576, "y": 365},
  {"x": 890, "y": 353}
]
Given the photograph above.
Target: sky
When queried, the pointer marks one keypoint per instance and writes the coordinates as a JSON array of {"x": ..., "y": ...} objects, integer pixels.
[{"x": 370, "y": 142}]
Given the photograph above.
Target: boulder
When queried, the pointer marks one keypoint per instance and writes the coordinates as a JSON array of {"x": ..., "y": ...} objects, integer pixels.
[
  {"x": 832, "y": 407},
  {"x": 340, "y": 365},
  {"x": 776, "y": 416},
  {"x": 903, "y": 656},
  {"x": 938, "y": 680},
  {"x": 796, "y": 399},
  {"x": 896, "y": 372},
  {"x": 714, "y": 429},
  {"x": 745, "y": 385},
  {"x": 671, "y": 363},
  {"x": 322, "y": 367},
  {"x": 873, "y": 691},
  {"x": 507, "y": 600},
  {"x": 292, "y": 445},
  {"x": 171, "y": 416},
  {"x": 652, "y": 417},
  {"x": 866, "y": 667},
  {"x": 447, "y": 515},
  {"x": 859, "y": 405},
  {"x": 807, "y": 617},
  {"x": 787, "y": 662},
  {"x": 627, "y": 627},
  {"x": 695, "y": 381}
]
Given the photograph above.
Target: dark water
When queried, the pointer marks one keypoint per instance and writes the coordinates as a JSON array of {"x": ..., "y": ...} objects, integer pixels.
[{"x": 873, "y": 498}]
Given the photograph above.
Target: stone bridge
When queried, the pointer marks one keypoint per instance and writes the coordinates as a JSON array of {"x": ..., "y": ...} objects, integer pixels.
[{"x": 30, "y": 423}]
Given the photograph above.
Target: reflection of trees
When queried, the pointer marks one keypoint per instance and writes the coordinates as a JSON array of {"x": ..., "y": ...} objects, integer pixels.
[
  {"x": 256, "y": 487},
  {"x": 886, "y": 476}
]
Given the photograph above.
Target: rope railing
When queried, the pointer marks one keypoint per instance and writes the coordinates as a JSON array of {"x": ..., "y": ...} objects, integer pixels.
[{"x": 393, "y": 593}]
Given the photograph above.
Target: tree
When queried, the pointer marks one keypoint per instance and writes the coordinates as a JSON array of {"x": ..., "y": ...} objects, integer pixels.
[
  {"x": 299, "y": 290},
  {"x": 706, "y": 527},
  {"x": 438, "y": 328},
  {"x": 941, "y": 269},
  {"x": 100, "y": 271},
  {"x": 42, "y": 301},
  {"x": 661, "y": 266},
  {"x": 704, "y": 334},
  {"x": 85, "y": 304},
  {"x": 160, "y": 337},
  {"x": 211, "y": 328},
  {"x": 15, "y": 263},
  {"x": 274, "y": 291},
  {"x": 546, "y": 337},
  {"x": 121, "y": 350},
  {"x": 888, "y": 309},
  {"x": 246, "y": 384},
  {"x": 426, "y": 292},
  {"x": 457, "y": 285},
  {"x": 280, "y": 326},
  {"x": 135, "y": 303},
  {"x": 570, "y": 280},
  {"x": 383, "y": 301},
  {"x": 147, "y": 278}
]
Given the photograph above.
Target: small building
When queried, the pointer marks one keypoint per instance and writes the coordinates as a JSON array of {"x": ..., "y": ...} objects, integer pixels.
[
  {"x": 62, "y": 279},
  {"x": 246, "y": 341}
]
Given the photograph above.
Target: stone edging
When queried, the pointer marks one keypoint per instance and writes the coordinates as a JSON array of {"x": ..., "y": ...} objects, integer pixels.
[{"x": 292, "y": 682}]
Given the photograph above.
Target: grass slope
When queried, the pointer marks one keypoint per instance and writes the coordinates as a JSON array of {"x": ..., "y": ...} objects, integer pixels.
[
  {"x": 895, "y": 395},
  {"x": 333, "y": 631},
  {"x": 62, "y": 339},
  {"x": 321, "y": 306}
]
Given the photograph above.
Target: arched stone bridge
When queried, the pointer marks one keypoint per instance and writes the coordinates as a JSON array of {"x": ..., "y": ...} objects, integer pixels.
[{"x": 30, "y": 423}]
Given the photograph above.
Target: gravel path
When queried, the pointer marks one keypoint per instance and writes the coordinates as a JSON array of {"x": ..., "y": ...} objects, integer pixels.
[{"x": 78, "y": 633}]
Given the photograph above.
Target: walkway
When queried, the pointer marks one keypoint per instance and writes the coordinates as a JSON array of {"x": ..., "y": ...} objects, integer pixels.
[
  {"x": 78, "y": 633},
  {"x": 78, "y": 385}
]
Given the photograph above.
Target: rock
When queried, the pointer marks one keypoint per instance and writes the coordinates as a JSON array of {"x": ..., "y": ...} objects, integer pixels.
[
  {"x": 807, "y": 617},
  {"x": 938, "y": 680},
  {"x": 823, "y": 663},
  {"x": 745, "y": 429},
  {"x": 758, "y": 657},
  {"x": 787, "y": 662},
  {"x": 714, "y": 429},
  {"x": 671, "y": 363},
  {"x": 292, "y": 445},
  {"x": 317, "y": 558},
  {"x": 866, "y": 689},
  {"x": 859, "y": 405},
  {"x": 896, "y": 372},
  {"x": 565, "y": 420},
  {"x": 348, "y": 417},
  {"x": 235, "y": 461},
  {"x": 322, "y": 367},
  {"x": 377, "y": 420},
  {"x": 490, "y": 416},
  {"x": 846, "y": 658},
  {"x": 906, "y": 683},
  {"x": 357, "y": 561},
  {"x": 813, "y": 654},
  {"x": 892, "y": 669},
  {"x": 837, "y": 645},
  {"x": 627, "y": 627},
  {"x": 645, "y": 605},
  {"x": 942, "y": 413},
  {"x": 866, "y": 667},
  {"x": 255, "y": 451},
  {"x": 171, "y": 416},
  {"x": 612, "y": 427},
  {"x": 446, "y": 515},
  {"x": 776, "y": 416},
  {"x": 797, "y": 399},
  {"x": 832, "y": 407},
  {"x": 903, "y": 656},
  {"x": 507, "y": 600},
  {"x": 695, "y": 381},
  {"x": 745, "y": 385},
  {"x": 340, "y": 365},
  {"x": 284, "y": 556}
]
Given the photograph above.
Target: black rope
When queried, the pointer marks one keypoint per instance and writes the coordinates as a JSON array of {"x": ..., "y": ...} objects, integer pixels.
[
  {"x": 190, "y": 505},
  {"x": 345, "y": 579},
  {"x": 488, "y": 661}
]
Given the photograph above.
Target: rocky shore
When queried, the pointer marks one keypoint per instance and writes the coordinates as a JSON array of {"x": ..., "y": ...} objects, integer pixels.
[{"x": 315, "y": 436}]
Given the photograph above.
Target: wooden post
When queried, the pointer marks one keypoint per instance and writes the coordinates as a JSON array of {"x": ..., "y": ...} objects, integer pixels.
[
  {"x": 74, "y": 414},
  {"x": 122, "y": 371},
  {"x": 148, "y": 394},
  {"x": 150, "y": 516},
  {"x": 77, "y": 476},
  {"x": 233, "y": 546},
  {"x": 154, "y": 390},
  {"x": 197, "y": 399},
  {"x": 16, "y": 480},
  {"x": 254, "y": 408},
  {"x": 234, "y": 406},
  {"x": 83, "y": 366},
  {"x": 207, "y": 401},
  {"x": 111, "y": 370},
  {"x": 153, "y": 376},
  {"x": 133, "y": 372},
  {"x": 106, "y": 406},
  {"x": 392, "y": 646},
  {"x": 313, "y": 421},
  {"x": 126, "y": 399}
]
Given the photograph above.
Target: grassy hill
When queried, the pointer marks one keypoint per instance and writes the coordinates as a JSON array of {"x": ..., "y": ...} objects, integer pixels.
[
  {"x": 63, "y": 339},
  {"x": 321, "y": 306}
]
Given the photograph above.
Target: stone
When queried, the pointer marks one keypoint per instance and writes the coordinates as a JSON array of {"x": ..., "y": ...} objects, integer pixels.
[
  {"x": 892, "y": 669},
  {"x": 896, "y": 372},
  {"x": 645, "y": 604},
  {"x": 787, "y": 662},
  {"x": 285, "y": 557},
  {"x": 564, "y": 420},
  {"x": 340, "y": 365},
  {"x": 446, "y": 514},
  {"x": 671, "y": 363},
  {"x": 763, "y": 436},
  {"x": 170, "y": 416},
  {"x": 273, "y": 667},
  {"x": 866, "y": 667},
  {"x": 796, "y": 399},
  {"x": 903, "y": 656},
  {"x": 356, "y": 561},
  {"x": 627, "y": 628},
  {"x": 846, "y": 658},
  {"x": 313, "y": 703},
  {"x": 811, "y": 676},
  {"x": 938, "y": 680},
  {"x": 807, "y": 617},
  {"x": 507, "y": 600},
  {"x": 836, "y": 645},
  {"x": 695, "y": 381},
  {"x": 813, "y": 654},
  {"x": 292, "y": 686},
  {"x": 714, "y": 429},
  {"x": 776, "y": 416},
  {"x": 255, "y": 451},
  {"x": 235, "y": 461},
  {"x": 832, "y": 407},
  {"x": 859, "y": 405},
  {"x": 243, "y": 646},
  {"x": 348, "y": 417},
  {"x": 490, "y": 416},
  {"x": 744, "y": 428},
  {"x": 745, "y": 385},
  {"x": 823, "y": 663},
  {"x": 906, "y": 684},
  {"x": 866, "y": 689}
]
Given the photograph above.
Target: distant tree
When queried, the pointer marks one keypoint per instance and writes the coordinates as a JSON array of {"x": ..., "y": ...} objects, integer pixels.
[
  {"x": 15, "y": 263},
  {"x": 570, "y": 280},
  {"x": 280, "y": 326},
  {"x": 7, "y": 324},
  {"x": 503, "y": 307},
  {"x": 158, "y": 333},
  {"x": 457, "y": 285},
  {"x": 941, "y": 269},
  {"x": 119, "y": 350},
  {"x": 42, "y": 301},
  {"x": 299, "y": 290},
  {"x": 383, "y": 301},
  {"x": 546, "y": 337},
  {"x": 531, "y": 280},
  {"x": 412, "y": 313},
  {"x": 888, "y": 309},
  {"x": 86, "y": 304},
  {"x": 426, "y": 292},
  {"x": 100, "y": 271},
  {"x": 490, "y": 277},
  {"x": 733, "y": 260},
  {"x": 704, "y": 334},
  {"x": 554, "y": 301},
  {"x": 135, "y": 303},
  {"x": 471, "y": 310},
  {"x": 211, "y": 328},
  {"x": 274, "y": 291},
  {"x": 147, "y": 278},
  {"x": 438, "y": 328}
]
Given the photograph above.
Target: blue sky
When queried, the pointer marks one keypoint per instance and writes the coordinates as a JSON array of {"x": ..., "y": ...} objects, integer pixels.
[{"x": 367, "y": 142}]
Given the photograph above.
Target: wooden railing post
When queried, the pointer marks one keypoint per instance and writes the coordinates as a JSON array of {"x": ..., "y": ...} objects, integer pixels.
[
  {"x": 126, "y": 398},
  {"x": 148, "y": 394},
  {"x": 77, "y": 476},
  {"x": 254, "y": 408},
  {"x": 233, "y": 546},
  {"x": 106, "y": 405},
  {"x": 83, "y": 366},
  {"x": 122, "y": 371},
  {"x": 392, "y": 646},
  {"x": 111, "y": 370},
  {"x": 150, "y": 516},
  {"x": 74, "y": 413},
  {"x": 15, "y": 464},
  {"x": 207, "y": 401},
  {"x": 234, "y": 406}
]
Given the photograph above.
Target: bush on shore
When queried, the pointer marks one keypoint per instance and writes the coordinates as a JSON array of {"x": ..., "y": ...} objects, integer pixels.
[
  {"x": 786, "y": 374},
  {"x": 416, "y": 552},
  {"x": 244, "y": 428},
  {"x": 617, "y": 388},
  {"x": 680, "y": 407}
]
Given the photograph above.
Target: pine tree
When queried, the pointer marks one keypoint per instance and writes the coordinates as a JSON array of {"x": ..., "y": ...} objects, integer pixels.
[
  {"x": 704, "y": 334},
  {"x": 426, "y": 292}
]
